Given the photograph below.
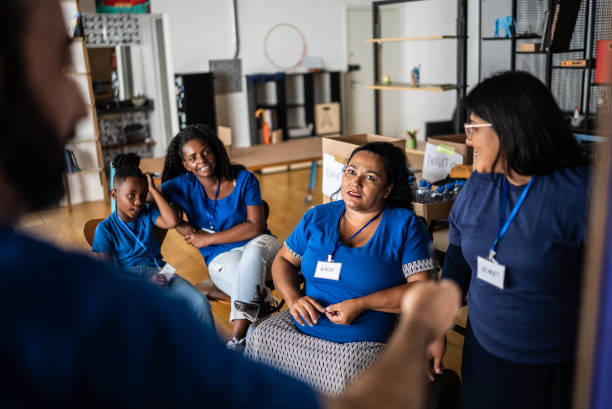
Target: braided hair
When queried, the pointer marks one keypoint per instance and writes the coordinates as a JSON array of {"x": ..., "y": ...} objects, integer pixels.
[
  {"x": 173, "y": 164},
  {"x": 127, "y": 165},
  {"x": 396, "y": 169}
]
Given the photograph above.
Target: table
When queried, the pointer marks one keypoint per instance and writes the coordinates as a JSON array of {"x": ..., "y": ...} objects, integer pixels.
[{"x": 257, "y": 157}]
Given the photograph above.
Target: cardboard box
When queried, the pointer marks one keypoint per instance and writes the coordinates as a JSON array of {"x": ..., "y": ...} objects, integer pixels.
[
  {"x": 529, "y": 47},
  {"x": 327, "y": 118},
  {"x": 336, "y": 151},
  {"x": 225, "y": 134},
  {"x": 433, "y": 211},
  {"x": 457, "y": 142}
]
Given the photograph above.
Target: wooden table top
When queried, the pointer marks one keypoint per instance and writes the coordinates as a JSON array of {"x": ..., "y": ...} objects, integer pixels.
[{"x": 260, "y": 156}]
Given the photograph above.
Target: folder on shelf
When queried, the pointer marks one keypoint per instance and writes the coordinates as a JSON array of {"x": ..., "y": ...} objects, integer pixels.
[
  {"x": 564, "y": 15},
  {"x": 603, "y": 62}
]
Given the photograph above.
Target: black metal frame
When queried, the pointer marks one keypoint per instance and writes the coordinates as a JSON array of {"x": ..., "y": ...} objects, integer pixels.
[
  {"x": 459, "y": 118},
  {"x": 587, "y": 54}
]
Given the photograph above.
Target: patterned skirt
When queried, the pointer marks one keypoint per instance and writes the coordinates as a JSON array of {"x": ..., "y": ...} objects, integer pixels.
[{"x": 326, "y": 366}]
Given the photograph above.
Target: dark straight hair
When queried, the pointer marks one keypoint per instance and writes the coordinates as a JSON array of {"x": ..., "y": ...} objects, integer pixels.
[
  {"x": 396, "y": 169},
  {"x": 173, "y": 163},
  {"x": 534, "y": 136}
]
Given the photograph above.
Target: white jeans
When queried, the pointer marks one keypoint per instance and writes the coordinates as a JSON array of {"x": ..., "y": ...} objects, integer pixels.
[{"x": 239, "y": 271}]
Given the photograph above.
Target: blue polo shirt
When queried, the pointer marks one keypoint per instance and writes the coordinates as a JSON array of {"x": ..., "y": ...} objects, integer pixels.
[
  {"x": 186, "y": 191},
  {"x": 399, "y": 247},
  {"x": 533, "y": 319},
  {"x": 76, "y": 334},
  {"x": 130, "y": 244}
]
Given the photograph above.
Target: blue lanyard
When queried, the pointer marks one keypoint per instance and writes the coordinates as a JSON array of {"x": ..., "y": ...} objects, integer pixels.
[
  {"x": 330, "y": 258},
  {"x": 145, "y": 248},
  {"x": 210, "y": 216},
  {"x": 503, "y": 227}
]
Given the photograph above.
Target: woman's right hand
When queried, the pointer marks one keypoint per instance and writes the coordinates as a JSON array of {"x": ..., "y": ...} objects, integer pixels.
[
  {"x": 185, "y": 229},
  {"x": 306, "y": 309}
]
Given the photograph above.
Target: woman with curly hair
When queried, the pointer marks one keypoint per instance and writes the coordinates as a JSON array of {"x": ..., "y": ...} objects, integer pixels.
[
  {"x": 226, "y": 219},
  {"x": 358, "y": 255}
]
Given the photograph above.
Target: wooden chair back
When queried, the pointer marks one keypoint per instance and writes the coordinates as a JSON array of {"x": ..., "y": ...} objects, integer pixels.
[{"x": 89, "y": 230}]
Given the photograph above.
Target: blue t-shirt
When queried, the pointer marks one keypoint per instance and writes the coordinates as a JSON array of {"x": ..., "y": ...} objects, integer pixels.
[
  {"x": 399, "y": 247},
  {"x": 186, "y": 191},
  {"x": 533, "y": 319},
  {"x": 130, "y": 244},
  {"x": 77, "y": 334}
]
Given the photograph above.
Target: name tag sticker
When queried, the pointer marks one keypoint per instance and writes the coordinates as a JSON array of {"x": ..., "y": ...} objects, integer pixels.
[
  {"x": 328, "y": 270},
  {"x": 168, "y": 271},
  {"x": 209, "y": 231},
  {"x": 491, "y": 272}
]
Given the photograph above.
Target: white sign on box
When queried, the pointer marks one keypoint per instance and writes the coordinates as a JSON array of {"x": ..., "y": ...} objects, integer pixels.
[
  {"x": 439, "y": 160},
  {"x": 332, "y": 175}
]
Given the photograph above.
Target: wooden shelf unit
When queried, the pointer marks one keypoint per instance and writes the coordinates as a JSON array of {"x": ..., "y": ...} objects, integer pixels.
[
  {"x": 409, "y": 87},
  {"x": 461, "y": 41},
  {"x": 419, "y": 38},
  {"x": 81, "y": 74}
]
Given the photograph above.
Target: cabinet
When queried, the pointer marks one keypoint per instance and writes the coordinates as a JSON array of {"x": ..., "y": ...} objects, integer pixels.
[
  {"x": 572, "y": 86},
  {"x": 195, "y": 99},
  {"x": 89, "y": 183},
  {"x": 296, "y": 95},
  {"x": 460, "y": 37}
]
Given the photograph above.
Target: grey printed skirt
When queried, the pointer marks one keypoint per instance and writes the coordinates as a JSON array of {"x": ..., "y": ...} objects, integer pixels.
[{"x": 326, "y": 366}]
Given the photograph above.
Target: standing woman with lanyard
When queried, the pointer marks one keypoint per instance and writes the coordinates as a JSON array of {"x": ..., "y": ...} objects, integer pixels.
[
  {"x": 517, "y": 234},
  {"x": 223, "y": 204}
]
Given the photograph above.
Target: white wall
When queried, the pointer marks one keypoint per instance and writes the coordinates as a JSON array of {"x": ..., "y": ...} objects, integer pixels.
[{"x": 201, "y": 30}]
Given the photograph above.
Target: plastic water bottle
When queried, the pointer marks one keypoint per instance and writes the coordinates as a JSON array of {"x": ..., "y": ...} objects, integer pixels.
[
  {"x": 413, "y": 185},
  {"x": 438, "y": 194},
  {"x": 422, "y": 193},
  {"x": 449, "y": 192}
]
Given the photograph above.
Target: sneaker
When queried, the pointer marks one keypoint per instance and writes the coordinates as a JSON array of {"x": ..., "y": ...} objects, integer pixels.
[
  {"x": 236, "y": 344},
  {"x": 262, "y": 305}
]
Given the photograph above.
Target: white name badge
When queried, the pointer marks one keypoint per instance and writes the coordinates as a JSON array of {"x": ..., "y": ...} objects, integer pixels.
[
  {"x": 328, "y": 270},
  {"x": 168, "y": 271},
  {"x": 207, "y": 230},
  {"x": 491, "y": 272}
]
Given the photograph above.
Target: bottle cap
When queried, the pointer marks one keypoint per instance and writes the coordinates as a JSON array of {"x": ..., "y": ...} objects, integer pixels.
[
  {"x": 441, "y": 189},
  {"x": 423, "y": 183}
]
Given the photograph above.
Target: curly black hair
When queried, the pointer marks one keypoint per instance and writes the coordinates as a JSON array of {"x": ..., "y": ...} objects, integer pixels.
[
  {"x": 396, "y": 168},
  {"x": 173, "y": 164},
  {"x": 127, "y": 165}
]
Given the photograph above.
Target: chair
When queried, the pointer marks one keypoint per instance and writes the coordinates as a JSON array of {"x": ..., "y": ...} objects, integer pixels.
[{"x": 89, "y": 230}]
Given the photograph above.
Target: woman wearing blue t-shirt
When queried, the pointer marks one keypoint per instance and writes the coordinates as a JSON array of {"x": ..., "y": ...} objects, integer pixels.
[
  {"x": 357, "y": 256},
  {"x": 127, "y": 237},
  {"x": 223, "y": 204},
  {"x": 517, "y": 234}
]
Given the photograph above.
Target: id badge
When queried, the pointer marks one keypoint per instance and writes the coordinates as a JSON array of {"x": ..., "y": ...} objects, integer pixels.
[
  {"x": 168, "y": 271},
  {"x": 328, "y": 270},
  {"x": 491, "y": 272},
  {"x": 210, "y": 231}
]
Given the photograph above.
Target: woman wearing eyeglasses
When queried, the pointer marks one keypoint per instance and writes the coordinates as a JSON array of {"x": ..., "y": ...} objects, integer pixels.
[{"x": 517, "y": 234}]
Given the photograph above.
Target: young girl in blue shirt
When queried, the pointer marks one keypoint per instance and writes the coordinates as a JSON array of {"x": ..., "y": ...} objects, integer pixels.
[
  {"x": 127, "y": 237},
  {"x": 226, "y": 220}
]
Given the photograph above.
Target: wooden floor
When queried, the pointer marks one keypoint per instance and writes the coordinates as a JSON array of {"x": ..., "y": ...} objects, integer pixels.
[{"x": 285, "y": 193}]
